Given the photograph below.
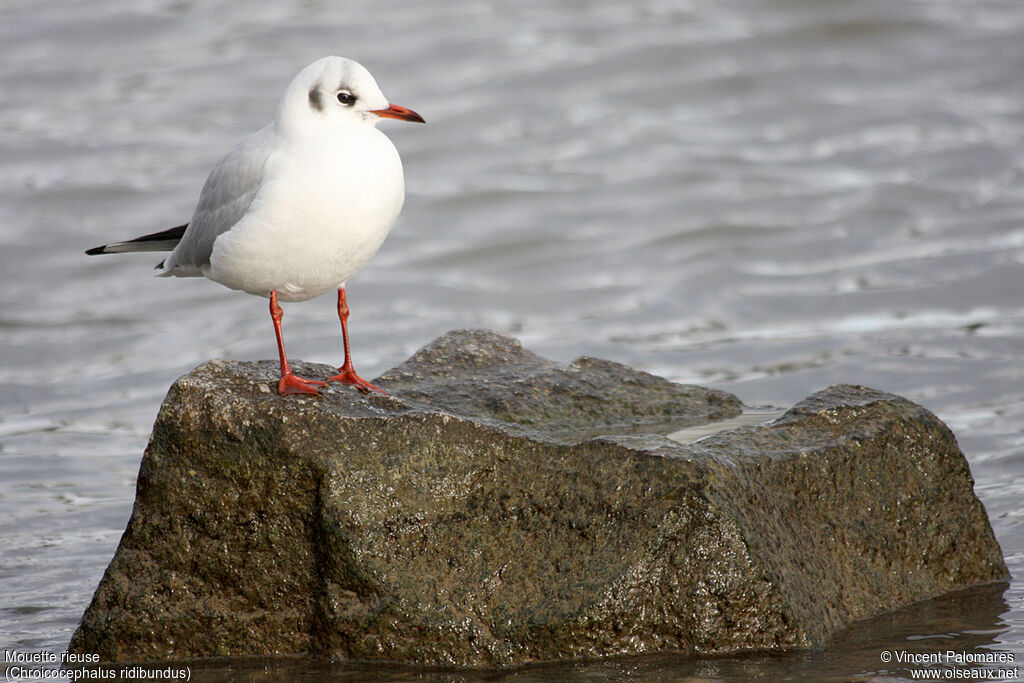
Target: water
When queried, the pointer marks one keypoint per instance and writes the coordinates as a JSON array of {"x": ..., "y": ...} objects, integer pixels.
[{"x": 766, "y": 198}]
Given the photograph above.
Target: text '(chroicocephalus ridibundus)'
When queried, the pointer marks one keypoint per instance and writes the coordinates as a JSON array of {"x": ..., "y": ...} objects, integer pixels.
[{"x": 296, "y": 209}]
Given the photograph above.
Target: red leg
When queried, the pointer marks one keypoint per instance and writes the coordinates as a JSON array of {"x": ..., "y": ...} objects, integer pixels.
[
  {"x": 290, "y": 383},
  {"x": 346, "y": 373}
]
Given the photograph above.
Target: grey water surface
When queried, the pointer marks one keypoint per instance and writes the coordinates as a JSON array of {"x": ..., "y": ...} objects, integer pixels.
[{"x": 764, "y": 197}]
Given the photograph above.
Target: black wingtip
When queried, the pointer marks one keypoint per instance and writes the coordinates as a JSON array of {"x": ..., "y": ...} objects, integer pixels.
[{"x": 165, "y": 240}]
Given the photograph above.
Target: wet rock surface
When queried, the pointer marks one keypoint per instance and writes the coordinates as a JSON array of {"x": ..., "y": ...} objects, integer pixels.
[{"x": 501, "y": 509}]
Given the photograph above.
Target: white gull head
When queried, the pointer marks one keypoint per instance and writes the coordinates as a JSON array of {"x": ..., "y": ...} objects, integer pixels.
[{"x": 335, "y": 91}]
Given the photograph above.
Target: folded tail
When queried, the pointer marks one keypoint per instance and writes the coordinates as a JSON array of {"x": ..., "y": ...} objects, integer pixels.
[{"x": 166, "y": 240}]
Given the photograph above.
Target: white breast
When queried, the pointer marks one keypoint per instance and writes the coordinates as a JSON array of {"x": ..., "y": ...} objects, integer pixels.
[{"x": 323, "y": 210}]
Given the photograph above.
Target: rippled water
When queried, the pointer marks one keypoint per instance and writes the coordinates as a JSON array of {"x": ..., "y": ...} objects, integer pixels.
[{"x": 765, "y": 197}]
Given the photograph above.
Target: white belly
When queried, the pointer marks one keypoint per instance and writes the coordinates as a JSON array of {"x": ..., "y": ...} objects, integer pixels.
[{"x": 321, "y": 215}]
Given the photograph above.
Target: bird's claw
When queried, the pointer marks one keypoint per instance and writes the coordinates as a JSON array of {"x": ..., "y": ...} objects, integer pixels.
[
  {"x": 293, "y": 384},
  {"x": 350, "y": 377}
]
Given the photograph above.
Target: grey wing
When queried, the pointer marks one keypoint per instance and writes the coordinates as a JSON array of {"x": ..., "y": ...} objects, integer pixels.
[{"x": 224, "y": 200}]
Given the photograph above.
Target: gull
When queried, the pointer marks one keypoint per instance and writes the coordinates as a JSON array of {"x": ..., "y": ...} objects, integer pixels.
[{"x": 296, "y": 209}]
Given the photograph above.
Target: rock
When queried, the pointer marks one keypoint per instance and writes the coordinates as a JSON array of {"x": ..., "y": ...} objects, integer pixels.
[{"x": 500, "y": 509}]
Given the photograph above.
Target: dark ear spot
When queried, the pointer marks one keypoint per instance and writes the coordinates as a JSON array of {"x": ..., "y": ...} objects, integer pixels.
[{"x": 315, "y": 100}]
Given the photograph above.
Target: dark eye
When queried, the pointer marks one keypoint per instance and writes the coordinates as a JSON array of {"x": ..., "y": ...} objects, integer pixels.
[{"x": 346, "y": 98}]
